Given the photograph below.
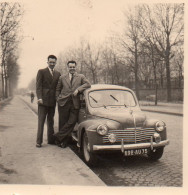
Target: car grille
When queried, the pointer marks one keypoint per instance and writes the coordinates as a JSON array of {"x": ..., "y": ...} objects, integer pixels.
[{"x": 131, "y": 135}]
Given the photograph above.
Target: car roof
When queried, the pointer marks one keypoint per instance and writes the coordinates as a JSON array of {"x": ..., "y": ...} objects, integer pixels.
[{"x": 106, "y": 86}]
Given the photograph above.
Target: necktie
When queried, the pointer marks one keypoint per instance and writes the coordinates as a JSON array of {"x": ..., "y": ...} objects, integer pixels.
[
  {"x": 72, "y": 76},
  {"x": 52, "y": 71}
]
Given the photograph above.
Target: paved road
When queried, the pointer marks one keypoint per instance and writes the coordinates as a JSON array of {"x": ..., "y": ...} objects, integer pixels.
[
  {"x": 22, "y": 163},
  {"x": 138, "y": 171}
]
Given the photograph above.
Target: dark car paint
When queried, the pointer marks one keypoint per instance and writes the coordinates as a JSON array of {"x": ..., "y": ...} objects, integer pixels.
[{"x": 115, "y": 117}]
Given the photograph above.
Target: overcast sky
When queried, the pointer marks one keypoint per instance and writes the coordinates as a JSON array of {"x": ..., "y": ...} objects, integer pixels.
[{"x": 57, "y": 24}]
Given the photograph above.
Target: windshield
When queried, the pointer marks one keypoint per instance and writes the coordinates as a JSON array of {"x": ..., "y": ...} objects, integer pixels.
[{"x": 103, "y": 98}]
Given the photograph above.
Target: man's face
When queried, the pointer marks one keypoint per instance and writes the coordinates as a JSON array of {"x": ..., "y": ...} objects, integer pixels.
[
  {"x": 51, "y": 63},
  {"x": 72, "y": 68}
]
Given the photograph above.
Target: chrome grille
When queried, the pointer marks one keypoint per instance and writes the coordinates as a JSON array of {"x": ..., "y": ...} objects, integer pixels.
[{"x": 131, "y": 135}]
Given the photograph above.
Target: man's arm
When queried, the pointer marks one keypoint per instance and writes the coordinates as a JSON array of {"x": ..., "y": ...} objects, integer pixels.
[
  {"x": 39, "y": 85},
  {"x": 84, "y": 85},
  {"x": 58, "y": 88}
]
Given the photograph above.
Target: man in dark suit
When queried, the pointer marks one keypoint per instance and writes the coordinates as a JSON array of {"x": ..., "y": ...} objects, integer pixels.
[
  {"x": 68, "y": 90},
  {"x": 46, "y": 83}
]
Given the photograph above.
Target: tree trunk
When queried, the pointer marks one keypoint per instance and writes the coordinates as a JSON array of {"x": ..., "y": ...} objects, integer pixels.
[
  {"x": 167, "y": 63},
  {"x": 6, "y": 87},
  {"x": 156, "y": 95},
  {"x": 94, "y": 77},
  {"x": 136, "y": 73},
  {"x": 3, "y": 85},
  {"x": 10, "y": 88},
  {"x": 155, "y": 76},
  {"x": 168, "y": 80}
]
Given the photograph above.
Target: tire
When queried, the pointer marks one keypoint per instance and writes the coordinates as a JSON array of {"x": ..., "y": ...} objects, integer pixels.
[
  {"x": 156, "y": 154},
  {"x": 89, "y": 157}
]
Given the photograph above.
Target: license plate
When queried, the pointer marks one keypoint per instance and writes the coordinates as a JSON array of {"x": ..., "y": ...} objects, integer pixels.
[{"x": 135, "y": 152}]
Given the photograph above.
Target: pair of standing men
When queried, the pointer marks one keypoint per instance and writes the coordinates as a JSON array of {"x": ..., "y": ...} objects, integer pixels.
[{"x": 51, "y": 87}]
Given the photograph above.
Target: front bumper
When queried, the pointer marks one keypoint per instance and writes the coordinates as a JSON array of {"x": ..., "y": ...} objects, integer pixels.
[{"x": 123, "y": 146}]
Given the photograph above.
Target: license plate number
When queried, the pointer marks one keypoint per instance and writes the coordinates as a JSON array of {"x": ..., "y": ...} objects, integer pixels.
[{"x": 135, "y": 152}]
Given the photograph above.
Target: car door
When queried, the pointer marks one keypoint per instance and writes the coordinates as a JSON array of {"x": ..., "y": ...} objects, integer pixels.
[{"x": 82, "y": 112}]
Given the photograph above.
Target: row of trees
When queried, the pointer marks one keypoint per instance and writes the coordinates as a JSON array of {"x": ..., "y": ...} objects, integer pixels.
[
  {"x": 10, "y": 16},
  {"x": 150, "y": 47}
]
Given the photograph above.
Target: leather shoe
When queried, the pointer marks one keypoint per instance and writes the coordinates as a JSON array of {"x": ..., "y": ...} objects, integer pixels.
[
  {"x": 38, "y": 145},
  {"x": 63, "y": 145}
]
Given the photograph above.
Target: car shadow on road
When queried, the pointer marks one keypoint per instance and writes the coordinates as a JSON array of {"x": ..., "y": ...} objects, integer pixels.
[{"x": 117, "y": 159}]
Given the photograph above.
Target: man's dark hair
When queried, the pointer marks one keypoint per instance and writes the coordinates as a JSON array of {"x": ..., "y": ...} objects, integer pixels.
[
  {"x": 72, "y": 62},
  {"x": 52, "y": 56}
]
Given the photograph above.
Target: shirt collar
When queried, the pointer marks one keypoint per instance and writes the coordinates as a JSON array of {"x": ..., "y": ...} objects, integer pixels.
[
  {"x": 70, "y": 75},
  {"x": 50, "y": 69}
]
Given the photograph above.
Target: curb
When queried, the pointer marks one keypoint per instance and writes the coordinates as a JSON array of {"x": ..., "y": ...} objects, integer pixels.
[
  {"x": 95, "y": 177},
  {"x": 34, "y": 110},
  {"x": 163, "y": 112}
]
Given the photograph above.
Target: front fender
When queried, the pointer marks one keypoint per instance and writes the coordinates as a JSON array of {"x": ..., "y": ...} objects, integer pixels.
[
  {"x": 150, "y": 123},
  {"x": 90, "y": 127}
]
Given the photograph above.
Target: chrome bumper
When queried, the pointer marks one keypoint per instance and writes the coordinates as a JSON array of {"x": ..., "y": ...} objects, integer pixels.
[{"x": 123, "y": 147}]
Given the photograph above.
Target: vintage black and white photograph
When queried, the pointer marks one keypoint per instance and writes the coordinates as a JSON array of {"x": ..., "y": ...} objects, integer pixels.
[{"x": 91, "y": 95}]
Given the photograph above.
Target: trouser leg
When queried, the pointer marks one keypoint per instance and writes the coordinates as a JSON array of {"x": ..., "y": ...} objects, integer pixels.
[
  {"x": 42, "y": 112},
  {"x": 68, "y": 127},
  {"x": 63, "y": 115},
  {"x": 50, "y": 124}
]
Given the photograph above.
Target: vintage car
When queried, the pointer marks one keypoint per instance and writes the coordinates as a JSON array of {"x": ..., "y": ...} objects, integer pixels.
[{"x": 110, "y": 119}]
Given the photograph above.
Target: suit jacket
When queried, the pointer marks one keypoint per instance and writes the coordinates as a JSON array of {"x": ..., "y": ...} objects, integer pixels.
[
  {"x": 46, "y": 86},
  {"x": 64, "y": 89}
]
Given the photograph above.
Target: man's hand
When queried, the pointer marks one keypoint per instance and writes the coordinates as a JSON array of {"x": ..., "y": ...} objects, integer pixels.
[
  {"x": 75, "y": 92},
  {"x": 40, "y": 101}
]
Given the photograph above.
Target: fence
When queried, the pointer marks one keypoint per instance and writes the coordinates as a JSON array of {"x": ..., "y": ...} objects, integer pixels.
[{"x": 176, "y": 94}]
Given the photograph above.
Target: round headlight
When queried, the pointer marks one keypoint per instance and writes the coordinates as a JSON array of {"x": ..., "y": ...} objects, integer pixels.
[
  {"x": 160, "y": 126},
  {"x": 102, "y": 129}
]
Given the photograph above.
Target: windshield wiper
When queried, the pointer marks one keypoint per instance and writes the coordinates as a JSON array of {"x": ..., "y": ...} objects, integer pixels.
[
  {"x": 114, "y": 98},
  {"x": 93, "y": 99}
]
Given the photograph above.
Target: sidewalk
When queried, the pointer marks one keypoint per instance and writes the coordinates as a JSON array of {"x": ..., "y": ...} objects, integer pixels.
[
  {"x": 162, "y": 107},
  {"x": 22, "y": 163}
]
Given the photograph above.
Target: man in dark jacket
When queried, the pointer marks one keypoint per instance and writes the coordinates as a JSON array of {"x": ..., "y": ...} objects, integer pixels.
[
  {"x": 68, "y": 92},
  {"x": 46, "y": 83}
]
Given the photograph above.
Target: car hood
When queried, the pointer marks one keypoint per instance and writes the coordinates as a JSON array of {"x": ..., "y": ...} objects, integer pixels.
[{"x": 125, "y": 116}]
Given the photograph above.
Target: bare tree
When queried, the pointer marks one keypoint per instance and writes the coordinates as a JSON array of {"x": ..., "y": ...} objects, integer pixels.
[
  {"x": 177, "y": 65},
  {"x": 130, "y": 42},
  {"x": 10, "y": 15},
  {"x": 91, "y": 61},
  {"x": 165, "y": 24},
  {"x": 109, "y": 63},
  {"x": 13, "y": 72}
]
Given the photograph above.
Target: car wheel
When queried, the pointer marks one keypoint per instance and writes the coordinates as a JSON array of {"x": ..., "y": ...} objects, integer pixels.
[
  {"x": 156, "y": 153},
  {"x": 89, "y": 157}
]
